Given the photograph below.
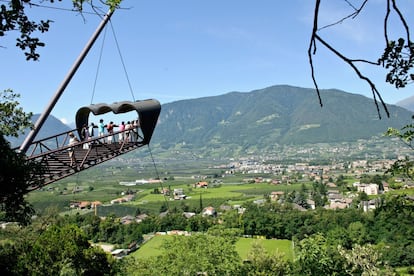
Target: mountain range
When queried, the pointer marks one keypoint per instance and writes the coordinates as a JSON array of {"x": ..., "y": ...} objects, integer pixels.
[
  {"x": 51, "y": 126},
  {"x": 282, "y": 114},
  {"x": 407, "y": 103},
  {"x": 276, "y": 115}
]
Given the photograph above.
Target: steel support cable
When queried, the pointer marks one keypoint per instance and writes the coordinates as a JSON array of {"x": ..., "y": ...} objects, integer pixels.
[
  {"x": 98, "y": 66},
  {"x": 40, "y": 121},
  {"x": 122, "y": 60},
  {"x": 158, "y": 177}
]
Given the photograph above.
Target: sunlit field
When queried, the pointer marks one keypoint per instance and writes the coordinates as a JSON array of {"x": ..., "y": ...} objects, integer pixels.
[{"x": 154, "y": 247}]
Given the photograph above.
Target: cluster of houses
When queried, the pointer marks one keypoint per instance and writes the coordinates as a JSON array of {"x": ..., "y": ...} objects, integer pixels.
[
  {"x": 84, "y": 204},
  {"x": 80, "y": 205},
  {"x": 125, "y": 198},
  {"x": 336, "y": 200},
  {"x": 372, "y": 188},
  {"x": 119, "y": 253},
  {"x": 178, "y": 194},
  {"x": 357, "y": 167}
]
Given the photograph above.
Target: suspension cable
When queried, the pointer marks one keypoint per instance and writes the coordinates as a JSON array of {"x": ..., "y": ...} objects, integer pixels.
[
  {"x": 98, "y": 66},
  {"x": 122, "y": 61},
  {"x": 158, "y": 177}
]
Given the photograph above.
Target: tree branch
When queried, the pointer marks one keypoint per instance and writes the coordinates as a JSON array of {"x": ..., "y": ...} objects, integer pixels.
[
  {"x": 374, "y": 90},
  {"x": 312, "y": 49},
  {"x": 402, "y": 19},
  {"x": 352, "y": 15},
  {"x": 351, "y": 62}
]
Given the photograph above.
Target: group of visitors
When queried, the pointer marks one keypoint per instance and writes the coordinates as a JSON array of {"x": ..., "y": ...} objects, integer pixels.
[
  {"x": 103, "y": 129},
  {"x": 127, "y": 132}
]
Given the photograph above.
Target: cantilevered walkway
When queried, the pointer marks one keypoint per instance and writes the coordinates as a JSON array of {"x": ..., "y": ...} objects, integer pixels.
[{"x": 53, "y": 154}]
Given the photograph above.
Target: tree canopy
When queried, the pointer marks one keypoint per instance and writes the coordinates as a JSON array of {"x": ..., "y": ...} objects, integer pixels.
[
  {"x": 57, "y": 250},
  {"x": 13, "y": 119},
  {"x": 13, "y": 17},
  {"x": 16, "y": 170}
]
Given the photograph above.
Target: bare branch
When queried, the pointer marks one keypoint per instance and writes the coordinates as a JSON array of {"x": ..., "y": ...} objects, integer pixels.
[
  {"x": 365, "y": 61},
  {"x": 404, "y": 22},
  {"x": 350, "y": 62},
  {"x": 312, "y": 49},
  {"x": 352, "y": 15},
  {"x": 387, "y": 15},
  {"x": 397, "y": 10},
  {"x": 374, "y": 90},
  {"x": 398, "y": 56}
]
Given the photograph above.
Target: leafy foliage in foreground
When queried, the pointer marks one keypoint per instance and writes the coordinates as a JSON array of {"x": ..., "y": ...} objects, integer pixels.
[
  {"x": 55, "y": 250},
  {"x": 327, "y": 242},
  {"x": 15, "y": 169},
  {"x": 212, "y": 255},
  {"x": 404, "y": 167},
  {"x": 13, "y": 119},
  {"x": 13, "y": 17}
]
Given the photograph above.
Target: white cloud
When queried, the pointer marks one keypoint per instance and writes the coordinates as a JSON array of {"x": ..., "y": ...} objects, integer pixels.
[{"x": 64, "y": 120}]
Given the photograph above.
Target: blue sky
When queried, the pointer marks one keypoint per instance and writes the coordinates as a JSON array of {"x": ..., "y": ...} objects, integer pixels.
[{"x": 174, "y": 50}]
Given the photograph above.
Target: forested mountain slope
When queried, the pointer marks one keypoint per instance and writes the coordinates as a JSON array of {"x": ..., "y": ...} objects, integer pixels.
[
  {"x": 282, "y": 115},
  {"x": 51, "y": 127}
]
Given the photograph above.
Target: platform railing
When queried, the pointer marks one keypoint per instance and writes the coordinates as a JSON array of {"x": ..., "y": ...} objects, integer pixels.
[
  {"x": 59, "y": 142},
  {"x": 52, "y": 152}
]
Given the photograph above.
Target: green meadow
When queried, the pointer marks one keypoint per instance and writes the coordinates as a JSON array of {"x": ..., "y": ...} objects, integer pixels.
[
  {"x": 243, "y": 246},
  {"x": 153, "y": 247}
]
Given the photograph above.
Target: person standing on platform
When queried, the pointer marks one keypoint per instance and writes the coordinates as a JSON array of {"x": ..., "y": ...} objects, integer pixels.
[
  {"x": 121, "y": 134},
  {"x": 85, "y": 136},
  {"x": 128, "y": 129},
  {"x": 110, "y": 129},
  {"x": 135, "y": 130},
  {"x": 72, "y": 141},
  {"x": 92, "y": 132},
  {"x": 101, "y": 129}
]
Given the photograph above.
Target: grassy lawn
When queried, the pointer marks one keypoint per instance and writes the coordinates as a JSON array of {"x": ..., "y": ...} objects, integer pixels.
[
  {"x": 405, "y": 271},
  {"x": 243, "y": 246},
  {"x": 408, "y": 192},
  {"x": 151, "y": 248}
]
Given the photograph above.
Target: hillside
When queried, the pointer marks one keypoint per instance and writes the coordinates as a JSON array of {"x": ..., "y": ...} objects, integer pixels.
[
  {"x": 51, "y": 127},
  {"x": 407, "y": 103},
  {"x": 282, "y": 115}
]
